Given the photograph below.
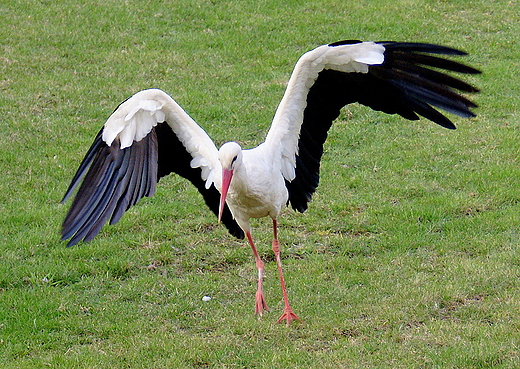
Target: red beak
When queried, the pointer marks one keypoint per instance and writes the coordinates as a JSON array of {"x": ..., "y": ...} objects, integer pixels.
[{"x": 226, "y": 180}]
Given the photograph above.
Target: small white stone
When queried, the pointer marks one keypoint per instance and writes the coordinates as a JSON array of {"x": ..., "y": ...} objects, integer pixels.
[{"x": 206, "y": 298}]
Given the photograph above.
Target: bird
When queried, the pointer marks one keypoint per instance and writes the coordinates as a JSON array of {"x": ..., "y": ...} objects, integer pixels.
[{"x": 149, "y": 136}]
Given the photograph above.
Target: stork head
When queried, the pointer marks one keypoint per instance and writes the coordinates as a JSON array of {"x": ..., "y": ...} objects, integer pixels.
[{"x": 230, "y": 157}]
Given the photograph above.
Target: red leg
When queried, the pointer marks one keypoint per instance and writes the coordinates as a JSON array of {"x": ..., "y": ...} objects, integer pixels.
[
  {"x": 260, "y": 304},
  {"x": 288, "y": 315}
]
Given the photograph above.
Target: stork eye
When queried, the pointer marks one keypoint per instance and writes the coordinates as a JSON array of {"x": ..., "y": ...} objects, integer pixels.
[{"x": 234, "y": 159}]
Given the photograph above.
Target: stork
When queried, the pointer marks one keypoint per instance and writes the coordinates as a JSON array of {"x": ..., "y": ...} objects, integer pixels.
[{"x": 150, "y": 136}]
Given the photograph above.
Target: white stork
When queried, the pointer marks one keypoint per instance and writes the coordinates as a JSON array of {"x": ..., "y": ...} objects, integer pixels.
[{"x": 149, "y": 136}]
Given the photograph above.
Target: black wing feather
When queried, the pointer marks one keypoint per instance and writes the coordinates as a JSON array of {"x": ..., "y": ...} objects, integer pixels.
[
  {"x": 173, "y": 157},
  {"x": 404, "y": 84},
  {"x": 115, "y": 179}
]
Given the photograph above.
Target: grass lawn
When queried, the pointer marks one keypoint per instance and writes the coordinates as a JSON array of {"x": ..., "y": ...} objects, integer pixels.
[{"x": 407, "y": 258}]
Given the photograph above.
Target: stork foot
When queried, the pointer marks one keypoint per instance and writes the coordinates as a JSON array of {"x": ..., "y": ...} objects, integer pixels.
[
  {"x": 288, "y": 315},
  {"x": 260, "y": 304}
]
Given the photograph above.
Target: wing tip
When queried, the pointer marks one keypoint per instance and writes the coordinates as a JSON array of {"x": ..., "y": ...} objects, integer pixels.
[
  {"x": 344, "y": 42},
  {"x": 423, "y": 47}
]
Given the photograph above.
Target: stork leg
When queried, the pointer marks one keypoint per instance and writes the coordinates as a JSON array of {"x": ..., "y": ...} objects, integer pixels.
[
  {"x": 260, "y": 304},
  {"x": 288, "y": 314}
]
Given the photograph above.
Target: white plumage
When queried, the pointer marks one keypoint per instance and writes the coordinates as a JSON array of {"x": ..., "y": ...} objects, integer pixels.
[{"x": 149, "y": 136}]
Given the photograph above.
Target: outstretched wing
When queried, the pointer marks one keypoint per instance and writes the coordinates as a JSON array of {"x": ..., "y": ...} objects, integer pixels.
[
  {"x": 147, "y": 137},
  {"x": 392, "y": 77}
]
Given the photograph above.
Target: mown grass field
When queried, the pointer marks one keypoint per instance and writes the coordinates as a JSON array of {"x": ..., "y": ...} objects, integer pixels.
[{"x": 407, "y": 258}]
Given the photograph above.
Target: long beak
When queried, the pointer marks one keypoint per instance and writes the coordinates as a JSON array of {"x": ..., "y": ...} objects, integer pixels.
[{"x": 226, "y": 180}]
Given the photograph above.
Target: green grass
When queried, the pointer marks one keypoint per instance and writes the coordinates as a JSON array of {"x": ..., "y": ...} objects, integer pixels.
[{"x": 408, "y": 256}]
